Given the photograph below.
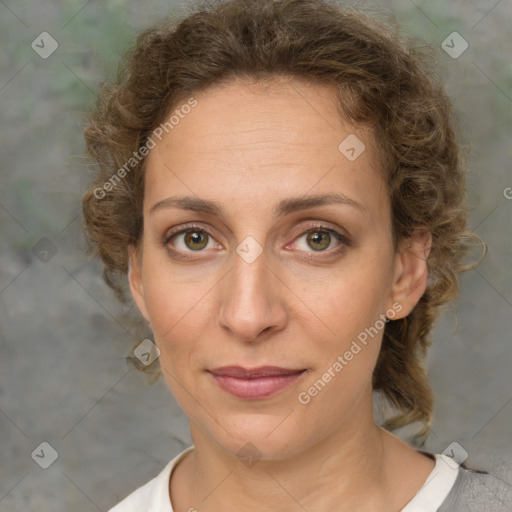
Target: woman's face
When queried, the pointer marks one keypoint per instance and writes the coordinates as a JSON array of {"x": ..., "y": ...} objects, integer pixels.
[{"x": 267, "y": 243}]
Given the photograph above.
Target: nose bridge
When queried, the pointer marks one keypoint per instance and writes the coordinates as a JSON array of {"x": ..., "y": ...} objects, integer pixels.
[{"x": 250, "y": 300}]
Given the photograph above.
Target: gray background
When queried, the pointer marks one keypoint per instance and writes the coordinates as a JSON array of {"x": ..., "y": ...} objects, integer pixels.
[{"x": 64, "y": 378}]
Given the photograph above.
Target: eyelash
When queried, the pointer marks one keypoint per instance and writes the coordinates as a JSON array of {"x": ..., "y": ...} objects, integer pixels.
[{"x": 344, "y": 241}]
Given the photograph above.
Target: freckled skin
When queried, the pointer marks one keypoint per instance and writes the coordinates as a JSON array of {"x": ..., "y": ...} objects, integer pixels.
[{"x": 248, "y": 146}]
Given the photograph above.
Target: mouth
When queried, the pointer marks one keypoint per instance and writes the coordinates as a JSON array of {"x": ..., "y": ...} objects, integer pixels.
[{"x": 255, "y": 383}]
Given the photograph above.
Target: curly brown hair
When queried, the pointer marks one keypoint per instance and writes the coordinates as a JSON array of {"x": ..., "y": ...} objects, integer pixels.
[{"x": 383, "y": 83}]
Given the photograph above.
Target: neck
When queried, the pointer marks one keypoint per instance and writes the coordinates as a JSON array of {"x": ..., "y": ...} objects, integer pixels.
[{"x": 343, "y": 471}]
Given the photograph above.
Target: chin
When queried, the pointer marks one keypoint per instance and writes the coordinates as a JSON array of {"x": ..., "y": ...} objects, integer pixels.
[{"x": 260, "y": 437}]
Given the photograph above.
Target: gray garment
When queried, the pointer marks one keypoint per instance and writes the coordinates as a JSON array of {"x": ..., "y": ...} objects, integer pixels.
[{"x": 478, "y": 491}]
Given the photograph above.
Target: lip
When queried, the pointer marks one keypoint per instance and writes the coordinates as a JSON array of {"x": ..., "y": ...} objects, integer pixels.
[{"x": 254, "y": 383}]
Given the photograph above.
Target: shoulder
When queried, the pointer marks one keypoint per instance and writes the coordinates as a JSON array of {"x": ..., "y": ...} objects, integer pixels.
[
  {"x": 137, "y": 498},
  {"x": 451, "y": 487},
  {"x": 479, "y": 491},
  {"x": 154, "y": 495}
]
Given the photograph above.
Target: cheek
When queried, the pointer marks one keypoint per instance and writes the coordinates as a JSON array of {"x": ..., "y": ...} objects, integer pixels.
[
  {"x": 353, "y": 300},
  {"x": 350, "y": 310},
  {"x": 178, "y": 313},
  {"x": 170, "y": 300},
  {"x": 346, "y": 355},
  {"x": 178, "y": 320},
  {"x": 181, "y": 314}
]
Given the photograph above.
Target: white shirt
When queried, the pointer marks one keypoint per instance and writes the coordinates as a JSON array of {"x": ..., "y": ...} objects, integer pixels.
[{"x": 154, "y": 495}]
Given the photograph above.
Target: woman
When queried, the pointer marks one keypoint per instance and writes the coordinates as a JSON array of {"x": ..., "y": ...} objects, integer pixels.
[{"x": 281, "y": 184}]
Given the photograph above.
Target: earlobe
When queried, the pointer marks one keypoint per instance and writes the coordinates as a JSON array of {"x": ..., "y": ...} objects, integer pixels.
[
  {"x": 411, "y": 271},
  {"x": 135, "y": 280}
]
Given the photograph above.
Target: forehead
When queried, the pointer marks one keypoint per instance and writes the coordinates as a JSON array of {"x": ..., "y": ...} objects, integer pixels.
[
  {"x": 246, "y": 112},
  {"x": 263, "y": 139}
]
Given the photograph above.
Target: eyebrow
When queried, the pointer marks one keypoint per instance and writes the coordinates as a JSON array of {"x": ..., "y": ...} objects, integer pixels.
[{"x": 281, "y": 209}]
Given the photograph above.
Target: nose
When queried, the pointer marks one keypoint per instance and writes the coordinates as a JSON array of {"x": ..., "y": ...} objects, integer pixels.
[{"x": 253, "y": 303}]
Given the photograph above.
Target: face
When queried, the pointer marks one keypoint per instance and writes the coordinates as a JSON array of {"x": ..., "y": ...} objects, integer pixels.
[{"x": 267, "y": 244}]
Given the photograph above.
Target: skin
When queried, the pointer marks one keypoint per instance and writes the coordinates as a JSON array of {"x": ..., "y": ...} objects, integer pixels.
[{"x": 247, "y": 145}]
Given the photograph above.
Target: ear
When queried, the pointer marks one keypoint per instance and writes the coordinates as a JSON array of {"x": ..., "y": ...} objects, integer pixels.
[
  {"x": 410, "y": 274},
  {"x": 135, "y": 279}
]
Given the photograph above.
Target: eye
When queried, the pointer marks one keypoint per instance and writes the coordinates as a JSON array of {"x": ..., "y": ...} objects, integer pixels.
[
  {"x": 320, "y": 239},
  {"x": 193, "y": 239}
]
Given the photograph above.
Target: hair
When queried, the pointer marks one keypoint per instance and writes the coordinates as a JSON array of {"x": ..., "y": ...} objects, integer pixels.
[{"x": 383, "y": 83}]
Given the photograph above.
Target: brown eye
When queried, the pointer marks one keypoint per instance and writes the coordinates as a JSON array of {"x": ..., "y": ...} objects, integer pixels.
[
  {"x": 321, "y": 239},
  {"x": 196, "y": 240},
  {"x": 318, "y": 240},
  {"x": 187, "y": 240}
]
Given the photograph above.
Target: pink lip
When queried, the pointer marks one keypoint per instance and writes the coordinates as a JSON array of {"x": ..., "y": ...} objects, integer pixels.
[{"x": 254, "y": 382}]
